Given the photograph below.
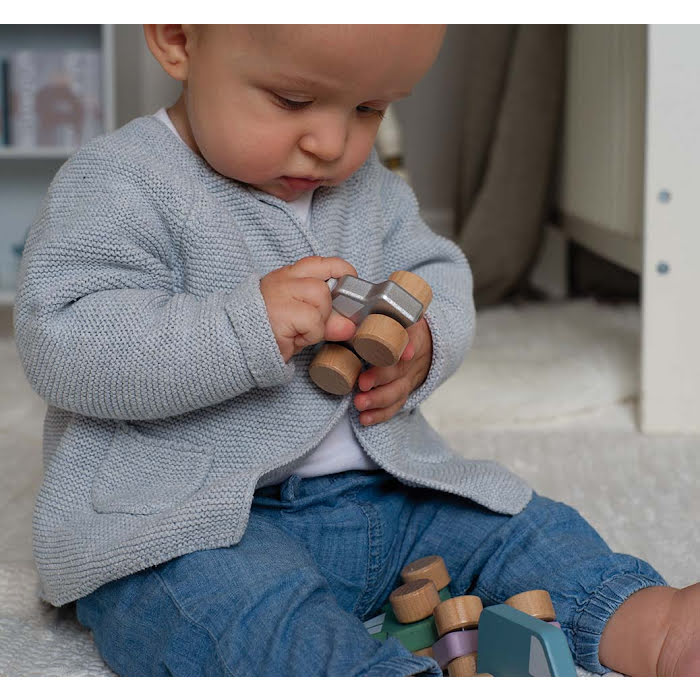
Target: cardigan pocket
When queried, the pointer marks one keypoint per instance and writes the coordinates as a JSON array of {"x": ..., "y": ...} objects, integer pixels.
[{"x": 142, "y": 475}]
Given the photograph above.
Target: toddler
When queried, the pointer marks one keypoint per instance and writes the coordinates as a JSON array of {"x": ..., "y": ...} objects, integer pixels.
[{"x": 209, "y": 508}]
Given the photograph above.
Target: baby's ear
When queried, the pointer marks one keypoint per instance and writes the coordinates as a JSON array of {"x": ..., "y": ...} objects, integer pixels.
[{"x": 170, "y": 44}]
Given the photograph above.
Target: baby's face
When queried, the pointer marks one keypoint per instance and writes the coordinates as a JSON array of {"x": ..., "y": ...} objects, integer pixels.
[{"x": 269, "y": 104}]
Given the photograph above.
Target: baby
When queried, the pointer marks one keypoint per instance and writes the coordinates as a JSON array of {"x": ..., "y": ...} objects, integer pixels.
[{"x": 210, "y": 509}]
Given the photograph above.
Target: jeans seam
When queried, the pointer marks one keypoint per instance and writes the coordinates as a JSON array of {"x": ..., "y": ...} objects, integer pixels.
[
  {"x": 374, "y": 540},
  {"x": 194, "y": 622}
]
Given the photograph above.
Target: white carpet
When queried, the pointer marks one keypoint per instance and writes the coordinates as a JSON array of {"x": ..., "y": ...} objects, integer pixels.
[
  {"x": 547, "y": 390},
  {"x": 535, "y": 365},
  {"x": 550, "y": 390}
]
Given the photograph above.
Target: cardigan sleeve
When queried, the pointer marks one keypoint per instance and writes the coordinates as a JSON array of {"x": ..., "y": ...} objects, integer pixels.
[
  {"x": 412, "y": 246},
  {"x": 100, "y": 325}
]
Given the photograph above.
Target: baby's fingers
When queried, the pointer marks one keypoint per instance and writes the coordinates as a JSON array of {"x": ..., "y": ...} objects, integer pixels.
[
  {"x": 408, "y": 353},
  {"x": 322, "y": 268},
  {"x": 384, "y": 396},
  {"x": 339, "y": 328},
  {"x": 382, "y": 414},
  {"x": 305, "y": 325},
  {"x": 375, "y": 376}
]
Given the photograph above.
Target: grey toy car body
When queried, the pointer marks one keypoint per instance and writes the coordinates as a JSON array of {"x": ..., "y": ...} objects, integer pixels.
[{"x": 355, "y": 299}]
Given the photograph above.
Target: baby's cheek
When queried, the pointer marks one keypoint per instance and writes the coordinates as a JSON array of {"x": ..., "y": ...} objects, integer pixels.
[
  {"x": 356, "y": 153},
  {"x": 237, "y": 164}
]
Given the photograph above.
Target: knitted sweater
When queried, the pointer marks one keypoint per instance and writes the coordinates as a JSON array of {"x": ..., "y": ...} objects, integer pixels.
[{"x": 139, "y": 319}]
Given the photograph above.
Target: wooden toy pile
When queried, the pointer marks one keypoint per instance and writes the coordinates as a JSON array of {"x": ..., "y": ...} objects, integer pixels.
[{"x": 518, "y": 638}]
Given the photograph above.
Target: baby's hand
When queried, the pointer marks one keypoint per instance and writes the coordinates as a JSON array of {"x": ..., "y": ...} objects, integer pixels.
[
  {"x": 384, "y": 390},
  {"x": 299, "y": 303}
]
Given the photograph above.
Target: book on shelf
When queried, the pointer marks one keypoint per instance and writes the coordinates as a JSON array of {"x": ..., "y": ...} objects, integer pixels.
[
  {"x": 4, "y": 105},
  {"x": 55, "y": 98}
]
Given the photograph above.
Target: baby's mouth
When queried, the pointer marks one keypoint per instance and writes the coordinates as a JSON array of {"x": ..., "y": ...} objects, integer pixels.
[{"x": 300, "y": 184}]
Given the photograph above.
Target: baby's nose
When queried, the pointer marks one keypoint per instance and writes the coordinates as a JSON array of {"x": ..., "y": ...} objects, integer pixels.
[{"x": 326, "y": 139}]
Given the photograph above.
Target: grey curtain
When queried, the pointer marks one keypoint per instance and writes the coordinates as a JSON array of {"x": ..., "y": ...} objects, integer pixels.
[{"x": 514, "y": 82}]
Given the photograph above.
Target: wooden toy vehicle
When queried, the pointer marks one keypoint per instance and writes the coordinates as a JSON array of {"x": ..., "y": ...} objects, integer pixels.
[
  {"x": 408, "y": 614},
  {"x": 518, "y": 638},
  {"x": 513, "y": 643},
  {"x": 382, "y": 312}
]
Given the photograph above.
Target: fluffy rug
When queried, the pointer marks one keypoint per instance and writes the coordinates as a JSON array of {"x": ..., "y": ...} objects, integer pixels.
[
  {"x": 550, "y": 390},
  {"x": 547, "y": 390},
  {"x": 535, "y": 364}
]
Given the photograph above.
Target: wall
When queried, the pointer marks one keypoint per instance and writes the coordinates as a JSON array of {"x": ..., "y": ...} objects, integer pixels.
[
  {"x": 432, "y": 128},
  {"x": 142, "y": 85},
  {"x": 601, "y": 183}
]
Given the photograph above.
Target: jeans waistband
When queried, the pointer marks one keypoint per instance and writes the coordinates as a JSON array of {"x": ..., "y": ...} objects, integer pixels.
[{"x": 297, "y": 488}]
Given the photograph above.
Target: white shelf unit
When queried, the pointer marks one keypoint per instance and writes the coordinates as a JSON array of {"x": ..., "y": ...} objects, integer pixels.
[
  {"x": 26, "y": 173},
  {"x": 670, "y": 387}
]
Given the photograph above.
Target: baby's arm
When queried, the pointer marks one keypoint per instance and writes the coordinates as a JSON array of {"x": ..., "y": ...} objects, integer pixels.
[
  {"x": 101, "y": 330},
  {"x": 411, "y": 245}
]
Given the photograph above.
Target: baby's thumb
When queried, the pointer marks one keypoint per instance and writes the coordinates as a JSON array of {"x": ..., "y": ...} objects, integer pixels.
[{"x": 338, "y": 327}]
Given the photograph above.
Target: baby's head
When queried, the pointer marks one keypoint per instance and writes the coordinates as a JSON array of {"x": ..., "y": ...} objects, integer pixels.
[{"x": 265, "y": 103}]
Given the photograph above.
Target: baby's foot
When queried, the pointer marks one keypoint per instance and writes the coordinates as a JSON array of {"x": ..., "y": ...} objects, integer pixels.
[{"x": 680, "y": 651}]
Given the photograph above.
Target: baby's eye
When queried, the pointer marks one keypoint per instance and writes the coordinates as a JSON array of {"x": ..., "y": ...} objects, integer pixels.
[
  {"x": 365, "y": 109},
  {"x": 290, "y": 104}
]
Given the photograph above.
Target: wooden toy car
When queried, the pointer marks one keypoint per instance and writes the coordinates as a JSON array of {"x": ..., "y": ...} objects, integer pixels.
[{"x": 382, "y": 312}]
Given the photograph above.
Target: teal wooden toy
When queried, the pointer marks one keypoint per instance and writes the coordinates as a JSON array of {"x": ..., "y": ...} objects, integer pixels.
[
  {"x": 513, "y": 643},
  {"x": 518, "y": 638}
]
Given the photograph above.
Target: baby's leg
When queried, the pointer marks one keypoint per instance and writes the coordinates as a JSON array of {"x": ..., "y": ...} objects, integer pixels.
[
  {"x": 546, "y": 546},
  {"x": 647, "y": 628},
  {"x": 260, "y": 608},
  {"x": 655, "y": 632}
]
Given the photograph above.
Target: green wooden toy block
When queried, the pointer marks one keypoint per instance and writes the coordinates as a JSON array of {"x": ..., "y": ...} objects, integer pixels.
[
  {"x": 414, "y": 635},
  {"x": 512, "y": 643}
]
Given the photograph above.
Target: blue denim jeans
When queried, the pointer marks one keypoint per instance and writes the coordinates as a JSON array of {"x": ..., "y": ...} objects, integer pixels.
[{"x": 321, "y": 555}]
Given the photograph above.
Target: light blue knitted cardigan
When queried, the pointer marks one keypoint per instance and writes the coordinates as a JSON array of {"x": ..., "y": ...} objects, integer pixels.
[{"x": 139, "y": 319}]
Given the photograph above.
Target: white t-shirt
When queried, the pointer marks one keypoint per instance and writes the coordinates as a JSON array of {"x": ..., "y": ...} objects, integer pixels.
[{"x": 339, "y": 451}]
